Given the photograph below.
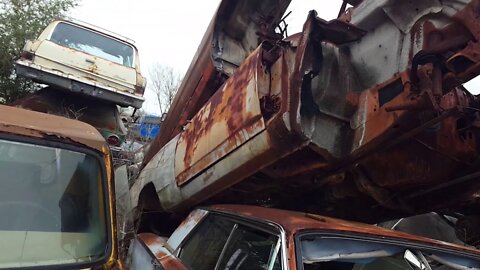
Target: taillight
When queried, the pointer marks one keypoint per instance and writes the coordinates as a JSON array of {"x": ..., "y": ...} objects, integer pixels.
[
  {"x": 113, "y": 140},
  {"x": 27, "y": 55}
]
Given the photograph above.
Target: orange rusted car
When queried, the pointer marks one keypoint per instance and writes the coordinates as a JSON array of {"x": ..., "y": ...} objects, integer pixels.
[{"x": 249, "y": 237}]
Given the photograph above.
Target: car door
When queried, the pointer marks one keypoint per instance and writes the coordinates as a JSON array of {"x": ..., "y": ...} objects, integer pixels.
[{"x": 221, "y": 242}]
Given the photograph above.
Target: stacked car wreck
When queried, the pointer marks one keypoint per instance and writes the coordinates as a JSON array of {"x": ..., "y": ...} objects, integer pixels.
[
  {"x": 363, "y": 117},
  {"x": 88, "y": 70}
]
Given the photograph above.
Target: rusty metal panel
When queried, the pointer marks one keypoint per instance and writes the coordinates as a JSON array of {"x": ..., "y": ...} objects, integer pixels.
[
  {"x": 370, "y": 121},
  {"x": 158, "y": 255},
  {"x": 140, "y": 258},
  {"x": 235, "y": 31},
  {"x": 231, "y": 117},
  {"x": 155, "y": 244}
]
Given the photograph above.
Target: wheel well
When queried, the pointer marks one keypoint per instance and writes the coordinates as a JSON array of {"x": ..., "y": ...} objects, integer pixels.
[
  {"x": 148, "y": 198},
  {"x": 150, "y": 215}
]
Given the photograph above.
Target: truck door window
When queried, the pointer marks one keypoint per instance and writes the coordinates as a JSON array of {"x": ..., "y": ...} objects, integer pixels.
[
  {"x": 250, "y": 248},
  {"x": 221, "y": 243}
]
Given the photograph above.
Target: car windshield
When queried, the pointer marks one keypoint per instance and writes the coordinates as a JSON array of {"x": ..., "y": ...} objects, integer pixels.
[
  {"x": 52, "y": 206},
  {"x": 333, "y": 253},
  {"x": 93, "y": 43}
]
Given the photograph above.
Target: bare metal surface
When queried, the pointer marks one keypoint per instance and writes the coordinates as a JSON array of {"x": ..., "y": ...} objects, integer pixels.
[
  {"x": 231, "y": 117},
  {"x": 149, "y": 252}
]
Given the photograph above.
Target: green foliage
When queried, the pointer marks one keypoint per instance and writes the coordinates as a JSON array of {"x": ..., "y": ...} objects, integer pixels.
[{"x": 21, "y": 20}]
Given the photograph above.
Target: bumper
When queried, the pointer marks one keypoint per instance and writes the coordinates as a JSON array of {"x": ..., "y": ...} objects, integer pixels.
[{"x": 77, "y": 85}]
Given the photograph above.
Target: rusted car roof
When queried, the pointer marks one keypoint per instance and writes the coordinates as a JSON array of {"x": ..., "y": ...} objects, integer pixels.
[
  {"x": 35, "y": 124},
  {"x": 293, "y": 222}
]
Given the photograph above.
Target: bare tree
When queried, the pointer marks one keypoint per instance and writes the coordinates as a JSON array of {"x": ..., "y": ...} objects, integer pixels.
[{"x": 164, "y": 81}]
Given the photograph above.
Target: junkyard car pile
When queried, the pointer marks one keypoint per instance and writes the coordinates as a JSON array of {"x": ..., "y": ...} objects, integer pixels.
[{"x": 364, "y": 118}]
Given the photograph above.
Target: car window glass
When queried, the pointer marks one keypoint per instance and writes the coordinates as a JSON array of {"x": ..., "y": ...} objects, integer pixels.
[
  {"x": 93, "y": 43},
  {"x": 250, "y": 248},
  {"x": 334, "y": 253},
  {"x": 202, "y": 250},
  {"x": 52, "y": 196}
]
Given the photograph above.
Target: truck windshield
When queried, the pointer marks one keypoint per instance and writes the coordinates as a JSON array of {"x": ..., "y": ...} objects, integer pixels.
[
  {"x": 87, "y": 41},
  {"x": 52, "y": 206},
  {"x": 318, "y": 252}
]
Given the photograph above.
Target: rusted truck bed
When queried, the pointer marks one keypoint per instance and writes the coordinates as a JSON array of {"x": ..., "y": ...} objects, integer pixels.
[{"x": 363, "y": 117}]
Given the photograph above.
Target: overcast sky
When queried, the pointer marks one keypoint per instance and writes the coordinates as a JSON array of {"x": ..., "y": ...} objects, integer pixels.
[{"x": 168, "y": 32}]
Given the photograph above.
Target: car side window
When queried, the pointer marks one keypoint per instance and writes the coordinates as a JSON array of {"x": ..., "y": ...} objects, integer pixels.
[
  {"x": 202, "y": 250},
  {"x": 250, "y": 248},
  {"x": 221, "y": 243}
]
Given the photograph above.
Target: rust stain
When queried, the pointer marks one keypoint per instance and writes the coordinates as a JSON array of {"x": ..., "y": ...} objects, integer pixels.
[
  {"x": 155, "y": 244},
  {"x": 219, "y": 126}
]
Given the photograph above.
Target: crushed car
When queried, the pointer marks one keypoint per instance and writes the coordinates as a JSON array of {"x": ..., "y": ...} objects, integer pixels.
[{"x": 363, "y": 117}]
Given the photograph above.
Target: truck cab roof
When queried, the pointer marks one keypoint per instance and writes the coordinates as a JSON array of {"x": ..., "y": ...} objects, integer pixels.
[{"x": 35, "y": 124}]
